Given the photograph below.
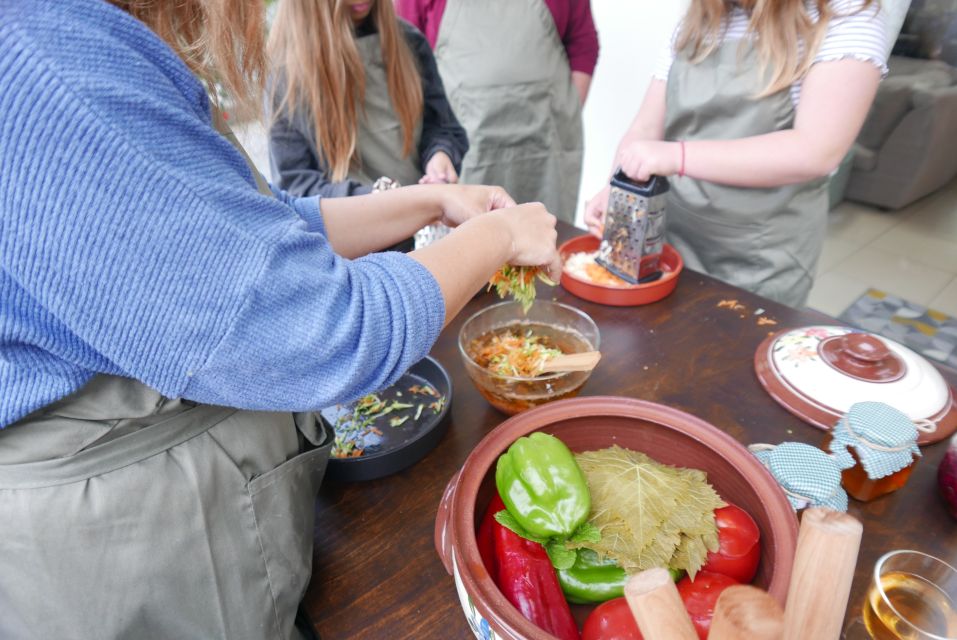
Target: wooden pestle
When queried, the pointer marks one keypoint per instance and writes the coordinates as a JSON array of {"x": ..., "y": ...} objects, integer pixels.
[
  {"x": 654, "y": 602},
  {"x": 827, "y": 548},
  {"x": 744, "y": 611}
]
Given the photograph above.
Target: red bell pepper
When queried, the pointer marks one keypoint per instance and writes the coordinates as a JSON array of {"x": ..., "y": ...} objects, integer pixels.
[
  {"x": 485, "y": 537},
  {"x": 525, "y": 575}
]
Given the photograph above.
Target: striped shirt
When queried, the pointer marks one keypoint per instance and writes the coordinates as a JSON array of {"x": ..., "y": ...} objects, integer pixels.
[{"x": 852, "y": 33}]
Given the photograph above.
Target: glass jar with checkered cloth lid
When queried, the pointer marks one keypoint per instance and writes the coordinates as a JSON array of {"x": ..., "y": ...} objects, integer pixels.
[
  {"x": 809, "y": 476},
  {"x": 876, "y": 447}
]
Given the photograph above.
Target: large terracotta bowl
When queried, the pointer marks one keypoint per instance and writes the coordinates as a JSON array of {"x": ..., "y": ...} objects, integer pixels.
[{"x": 667, "y": 435}]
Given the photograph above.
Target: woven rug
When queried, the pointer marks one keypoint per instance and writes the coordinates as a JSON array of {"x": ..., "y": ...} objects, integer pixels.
[{"x": 930, "y": 333}]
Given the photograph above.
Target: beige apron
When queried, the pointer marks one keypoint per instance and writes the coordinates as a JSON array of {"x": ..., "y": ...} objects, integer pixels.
[
  {"x": 380, "y": 132},
  {"x": 507, "y": 77},
  {"x": 125, "y": 514},
  {"x": 764, "y": 240}
]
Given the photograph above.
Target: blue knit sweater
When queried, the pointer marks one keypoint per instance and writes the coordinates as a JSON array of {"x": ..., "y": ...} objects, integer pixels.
[{"x": 133, "y": 240}]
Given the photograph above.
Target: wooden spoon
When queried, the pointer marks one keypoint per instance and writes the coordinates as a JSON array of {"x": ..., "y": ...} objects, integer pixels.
[{"x": 571, "y": 362}]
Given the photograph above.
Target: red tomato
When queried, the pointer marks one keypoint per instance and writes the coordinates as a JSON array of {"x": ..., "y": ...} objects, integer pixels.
[
  {"x": 739, "y": 545},
  {"x": 701, "y": 596},
  {"x": 611, "y": 620}
]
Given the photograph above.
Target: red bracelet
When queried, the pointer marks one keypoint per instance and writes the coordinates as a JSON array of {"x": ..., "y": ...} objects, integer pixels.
[{"x": 681, "y": 171}]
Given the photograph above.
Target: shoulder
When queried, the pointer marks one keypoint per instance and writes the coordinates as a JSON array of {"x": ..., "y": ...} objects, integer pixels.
[
  {"x": 418, "y": 43},
  {"x": 93, "y": 48},
  {"x": 857, "y": 30},
  {"x": 413, "y": 36}
]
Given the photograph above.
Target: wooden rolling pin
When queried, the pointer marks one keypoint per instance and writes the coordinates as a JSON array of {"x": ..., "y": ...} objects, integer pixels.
[
  {"x": 746, "y": 612},
  {"x": 572, "y": 362},
  {"x": 827, "y": 548},
  {"x": 654, "y": 601}
]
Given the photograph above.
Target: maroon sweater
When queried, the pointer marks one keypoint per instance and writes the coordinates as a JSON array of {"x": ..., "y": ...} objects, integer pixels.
[{"x": 572, "y": 18}]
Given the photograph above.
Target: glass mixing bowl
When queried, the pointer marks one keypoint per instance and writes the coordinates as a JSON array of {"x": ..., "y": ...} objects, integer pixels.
[{"x": 569, "y": 329}]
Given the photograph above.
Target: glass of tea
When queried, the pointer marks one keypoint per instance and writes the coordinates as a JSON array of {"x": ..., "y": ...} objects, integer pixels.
[{"x": 913, "y": 596}]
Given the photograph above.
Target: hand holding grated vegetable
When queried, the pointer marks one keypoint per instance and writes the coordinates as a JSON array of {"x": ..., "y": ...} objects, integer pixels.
[{"x": 519, "y": 282}]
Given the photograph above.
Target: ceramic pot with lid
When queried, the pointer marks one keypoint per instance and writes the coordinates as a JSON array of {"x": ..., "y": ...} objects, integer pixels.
[
  {"x": 817, "y": 373},
  {"x": 667, "y": 435}
]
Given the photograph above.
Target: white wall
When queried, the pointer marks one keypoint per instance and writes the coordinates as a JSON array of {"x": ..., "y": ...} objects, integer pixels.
[{"x": 632, "y": 34}]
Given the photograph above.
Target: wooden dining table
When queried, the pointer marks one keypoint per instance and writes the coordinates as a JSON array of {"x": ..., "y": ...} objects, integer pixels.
[{"x": 376, "y": 573}]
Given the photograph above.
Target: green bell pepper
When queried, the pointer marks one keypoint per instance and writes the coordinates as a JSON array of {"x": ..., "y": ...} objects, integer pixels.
[
  {"x": 591, "y": 580},
  {"x": 542, "y": 486}
]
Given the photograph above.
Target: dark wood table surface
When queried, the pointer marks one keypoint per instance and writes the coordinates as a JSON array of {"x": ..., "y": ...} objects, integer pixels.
[{"x": 376, "y": 572}]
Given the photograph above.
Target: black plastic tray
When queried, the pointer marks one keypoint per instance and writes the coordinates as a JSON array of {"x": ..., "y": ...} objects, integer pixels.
[{"x": 402, "y": 446}]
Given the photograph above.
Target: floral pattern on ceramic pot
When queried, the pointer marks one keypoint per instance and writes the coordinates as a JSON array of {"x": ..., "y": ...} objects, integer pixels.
[{"x": 479, "y": 625}]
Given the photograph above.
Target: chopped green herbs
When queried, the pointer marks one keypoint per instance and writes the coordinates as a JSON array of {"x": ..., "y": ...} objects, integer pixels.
[{"x": 355, "y": 425}]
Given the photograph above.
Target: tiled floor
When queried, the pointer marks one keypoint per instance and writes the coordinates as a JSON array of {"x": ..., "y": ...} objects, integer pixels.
[{"x": 911, "y": 253}]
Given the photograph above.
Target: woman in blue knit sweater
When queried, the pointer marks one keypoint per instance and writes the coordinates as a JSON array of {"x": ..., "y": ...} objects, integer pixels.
[{"x": 163, "y": 312}]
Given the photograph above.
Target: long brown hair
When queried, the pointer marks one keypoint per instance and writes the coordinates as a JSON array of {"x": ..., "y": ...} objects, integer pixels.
[
  {"x": 312, "y": 44},
  {"x": 784, "y": 35},
  {"x": 222, "y": 42}
]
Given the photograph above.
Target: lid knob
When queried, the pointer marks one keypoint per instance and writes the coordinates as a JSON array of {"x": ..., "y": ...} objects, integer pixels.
[
  {"x": 862, "y": 346},
  {"x": 862, "y": 356}
]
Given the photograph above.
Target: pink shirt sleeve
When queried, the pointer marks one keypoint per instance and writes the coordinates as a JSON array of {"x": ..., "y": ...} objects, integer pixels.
[
  {"x": 576, "y": 28},
  {"x": 573, "y": 20},
  {"x": 426, "y": 15}
]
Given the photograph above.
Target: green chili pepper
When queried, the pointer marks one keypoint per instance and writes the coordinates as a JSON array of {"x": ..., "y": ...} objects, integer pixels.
[
  {"x": 591, "y": 580},
  {"x": 542, "y": 486}
]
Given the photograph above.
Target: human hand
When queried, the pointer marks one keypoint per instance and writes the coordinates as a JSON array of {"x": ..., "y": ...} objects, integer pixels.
[
  {"x": 461, "y": 202},
  {"x": 641, "y": 159},
  {"x": 532, "y": 231},
  {"x": 439, "y": 170},
  {"x": 595, "y": 212}
]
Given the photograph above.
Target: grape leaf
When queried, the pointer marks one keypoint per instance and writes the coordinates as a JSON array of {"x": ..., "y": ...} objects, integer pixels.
[{"x": 649, "y": 514}]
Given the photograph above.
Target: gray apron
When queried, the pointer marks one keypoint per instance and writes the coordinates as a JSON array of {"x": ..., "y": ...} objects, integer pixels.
[
  {"x": 125, "y": 514},
  {"x": 764, "y": 240},
  {"x": 507, "y": 77},
  {"x": 380, "y": 132}
]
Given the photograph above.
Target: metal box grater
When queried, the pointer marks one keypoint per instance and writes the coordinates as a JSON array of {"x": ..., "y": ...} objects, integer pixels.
[{"x": 634, "y": 227}]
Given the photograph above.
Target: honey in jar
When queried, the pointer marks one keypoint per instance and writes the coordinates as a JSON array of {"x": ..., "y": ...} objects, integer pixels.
[{"x": 876, "y": 447}]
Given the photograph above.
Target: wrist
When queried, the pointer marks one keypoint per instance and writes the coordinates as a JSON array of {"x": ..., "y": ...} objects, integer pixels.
[
  {"x": 431, "y": 200},
  {"x": 496, "y": 234}
]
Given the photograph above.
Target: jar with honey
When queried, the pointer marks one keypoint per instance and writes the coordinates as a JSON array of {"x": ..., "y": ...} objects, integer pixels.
[{"x": 875, "y": 445}]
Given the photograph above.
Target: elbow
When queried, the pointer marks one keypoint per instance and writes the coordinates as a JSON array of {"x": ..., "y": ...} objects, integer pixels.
[{"x": 823, "y": 162}]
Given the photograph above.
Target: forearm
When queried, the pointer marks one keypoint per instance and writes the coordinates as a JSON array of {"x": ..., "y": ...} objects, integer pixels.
[
  {"x": 362, "y": 224},
  {"x": 835, "y": 99},
  {"x": 582, "y": 82},
  {"x": 649, "y": 122},
  {"x": 477, "y": 249},
  {"x": 770, "y": 160}
]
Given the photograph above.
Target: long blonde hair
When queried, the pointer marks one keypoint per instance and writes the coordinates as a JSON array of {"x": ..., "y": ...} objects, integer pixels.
[
  {"x": 784, "y": 34},
  {"x": 222, "y": 42},
  {"x": 312, "y": 44}
]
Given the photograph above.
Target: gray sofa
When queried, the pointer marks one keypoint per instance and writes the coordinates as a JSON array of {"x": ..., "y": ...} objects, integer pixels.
[{"x": 907, "y": 148}]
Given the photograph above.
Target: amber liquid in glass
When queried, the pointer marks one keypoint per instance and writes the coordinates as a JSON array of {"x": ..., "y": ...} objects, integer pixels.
[{"x": 922, "y": 608}]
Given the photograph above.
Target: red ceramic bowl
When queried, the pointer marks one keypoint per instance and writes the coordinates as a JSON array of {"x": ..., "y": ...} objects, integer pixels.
[
  {"x": 667, "y": 435},
  {"x": 670, "y": 263}
]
